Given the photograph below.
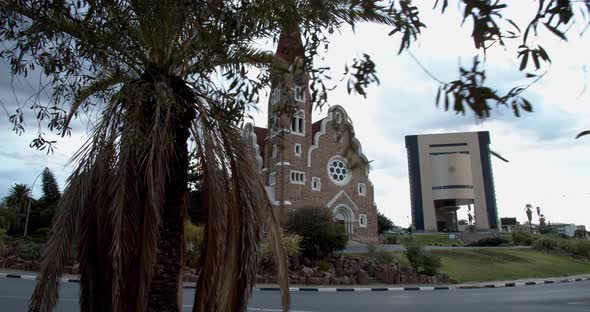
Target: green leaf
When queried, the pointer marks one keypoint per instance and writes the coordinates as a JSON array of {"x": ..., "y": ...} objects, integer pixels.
[
  {"x": 524, "y": 60},
  {"x": 536, "y": 59},
  {"x": 526, "y": 105},
  {"x": 513, "y": 24},
  {"x": 437, "y": 96},
  {"x": 583, "y": 133},
  {"x": 556, "y": 31},
  {"x": 544, "y": 54}
]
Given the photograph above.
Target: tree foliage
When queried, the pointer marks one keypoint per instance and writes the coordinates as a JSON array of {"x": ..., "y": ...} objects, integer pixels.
[
  {"x": 51, "y": 193},
  {"x": 384, "y": 224},
  {"x": 18, "y": 198},
  {"x": 321, "y": 235}
]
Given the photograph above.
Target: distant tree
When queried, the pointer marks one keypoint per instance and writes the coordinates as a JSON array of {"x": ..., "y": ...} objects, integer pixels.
[
  {"x": 18, "y": 198},
  {"x": 529, "y": 215},
  {"x": 17, "y": 201},
  {"x": 383, "y": 223},
  {"x": 542, "y": 222},
  {"x": 51, "y": 193}
]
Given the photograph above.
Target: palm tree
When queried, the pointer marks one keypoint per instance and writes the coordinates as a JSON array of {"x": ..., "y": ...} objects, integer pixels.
[
  {"x": 529, "y": 215},
  {"x": 151, "y": 69},
  {"x": 17, "y": 200}
]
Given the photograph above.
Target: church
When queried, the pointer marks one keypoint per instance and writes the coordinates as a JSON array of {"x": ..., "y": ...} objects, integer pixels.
[{"x": 312, "y": 164}]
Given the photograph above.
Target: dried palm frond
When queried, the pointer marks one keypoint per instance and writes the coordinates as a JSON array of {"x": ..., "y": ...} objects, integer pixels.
[{"x": 238, "y": 210}]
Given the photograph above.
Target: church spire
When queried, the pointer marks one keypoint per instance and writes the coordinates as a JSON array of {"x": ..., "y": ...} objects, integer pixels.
[{"x": 290, "y": 46}]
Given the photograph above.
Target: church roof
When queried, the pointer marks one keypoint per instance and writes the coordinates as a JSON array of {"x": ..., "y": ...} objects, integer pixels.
[{"x": 315, "y": 128}]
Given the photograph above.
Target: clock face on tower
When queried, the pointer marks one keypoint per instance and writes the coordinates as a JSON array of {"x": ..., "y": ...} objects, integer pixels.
[{"x": 339, "y": 171}]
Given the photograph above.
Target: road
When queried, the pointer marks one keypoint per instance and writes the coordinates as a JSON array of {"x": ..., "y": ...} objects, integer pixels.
[{"x": 567, "y": 297}]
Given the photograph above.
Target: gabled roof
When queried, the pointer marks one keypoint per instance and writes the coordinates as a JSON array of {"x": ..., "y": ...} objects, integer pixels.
[
  {"x": 261, "y": 134},
  {"x": 315, "y": 128},
  {"x": 342, "y": 195}
]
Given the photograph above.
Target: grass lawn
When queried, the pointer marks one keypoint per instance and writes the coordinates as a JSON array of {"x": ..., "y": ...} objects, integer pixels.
[
  {"x": 437, "y": 239},
  {"x": 479, "y": 265}
]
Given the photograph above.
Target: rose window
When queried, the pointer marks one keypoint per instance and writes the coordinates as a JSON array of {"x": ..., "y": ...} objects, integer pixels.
[{"x": 338, "y": 170}]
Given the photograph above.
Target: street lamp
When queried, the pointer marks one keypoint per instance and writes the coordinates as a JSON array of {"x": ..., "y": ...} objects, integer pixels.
[{"x": 29, "y": 205}]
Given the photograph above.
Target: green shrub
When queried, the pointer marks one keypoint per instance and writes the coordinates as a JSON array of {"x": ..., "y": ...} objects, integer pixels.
[
  {"x": 391, "y": 240},
  {"x": 577, "y": 247},
  {"x": 3, "y": 236},
  {"x": 421, "y": 260},
  {"x": 291, "y": 246},
  {"x": 544, "y": 243},
  {"x": 323, "y": 265},
  {"x": 28, "y": 250},
  {"x": 321, "y": 235},
  {"x": 383, "y": 257},
  {"x": 522, "y": 237}
]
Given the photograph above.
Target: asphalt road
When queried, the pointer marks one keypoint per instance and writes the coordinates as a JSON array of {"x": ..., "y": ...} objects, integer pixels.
[{"x": 574, "y": 296}]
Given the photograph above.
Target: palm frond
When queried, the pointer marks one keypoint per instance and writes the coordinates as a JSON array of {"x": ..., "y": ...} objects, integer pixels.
[
  {"x": 57, "y": 251},
  {"x": 235, "y": 220},
  {"x": 88, "y": 91},
  {"x": 583, "y": 133}
]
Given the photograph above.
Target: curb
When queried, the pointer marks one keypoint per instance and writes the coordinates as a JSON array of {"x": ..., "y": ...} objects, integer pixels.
[
  {"x": 358, "y": 289},
  {"x": 424, "y": 288}
]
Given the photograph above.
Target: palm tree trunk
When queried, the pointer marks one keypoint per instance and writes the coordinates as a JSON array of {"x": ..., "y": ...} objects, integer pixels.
[{"x": 166, "y": 285}]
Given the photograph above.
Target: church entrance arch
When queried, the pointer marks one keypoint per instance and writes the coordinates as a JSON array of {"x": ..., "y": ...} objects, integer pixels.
[{"x": 344, "y": 215}]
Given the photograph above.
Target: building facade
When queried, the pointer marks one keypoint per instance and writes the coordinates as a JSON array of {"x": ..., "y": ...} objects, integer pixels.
[
  {"x": 307, "y": 164},
  {"x": 567, "y": 229},
  {"x": 447, "y": 171}
]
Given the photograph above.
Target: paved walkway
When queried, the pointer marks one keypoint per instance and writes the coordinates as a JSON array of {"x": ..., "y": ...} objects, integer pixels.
[{"x": 359, "y": 248}]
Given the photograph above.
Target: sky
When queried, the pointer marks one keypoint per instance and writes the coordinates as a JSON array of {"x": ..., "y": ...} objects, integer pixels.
[{"x": 548, "y": 167}]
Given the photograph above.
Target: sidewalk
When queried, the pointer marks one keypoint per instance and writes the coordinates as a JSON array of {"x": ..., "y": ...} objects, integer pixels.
[{"x": 364, "y": 248}]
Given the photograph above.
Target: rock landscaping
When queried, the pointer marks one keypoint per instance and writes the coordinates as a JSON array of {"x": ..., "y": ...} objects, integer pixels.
[{"x": 349, "y": 270}]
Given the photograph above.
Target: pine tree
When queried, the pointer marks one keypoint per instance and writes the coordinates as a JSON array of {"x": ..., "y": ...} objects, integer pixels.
[{"x": 51, "y": 192}]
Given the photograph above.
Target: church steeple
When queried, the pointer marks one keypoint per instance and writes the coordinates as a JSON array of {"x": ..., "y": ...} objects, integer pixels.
[
  {"x": 290, "y": 92},
  {"x": 290, "y": 46}
]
